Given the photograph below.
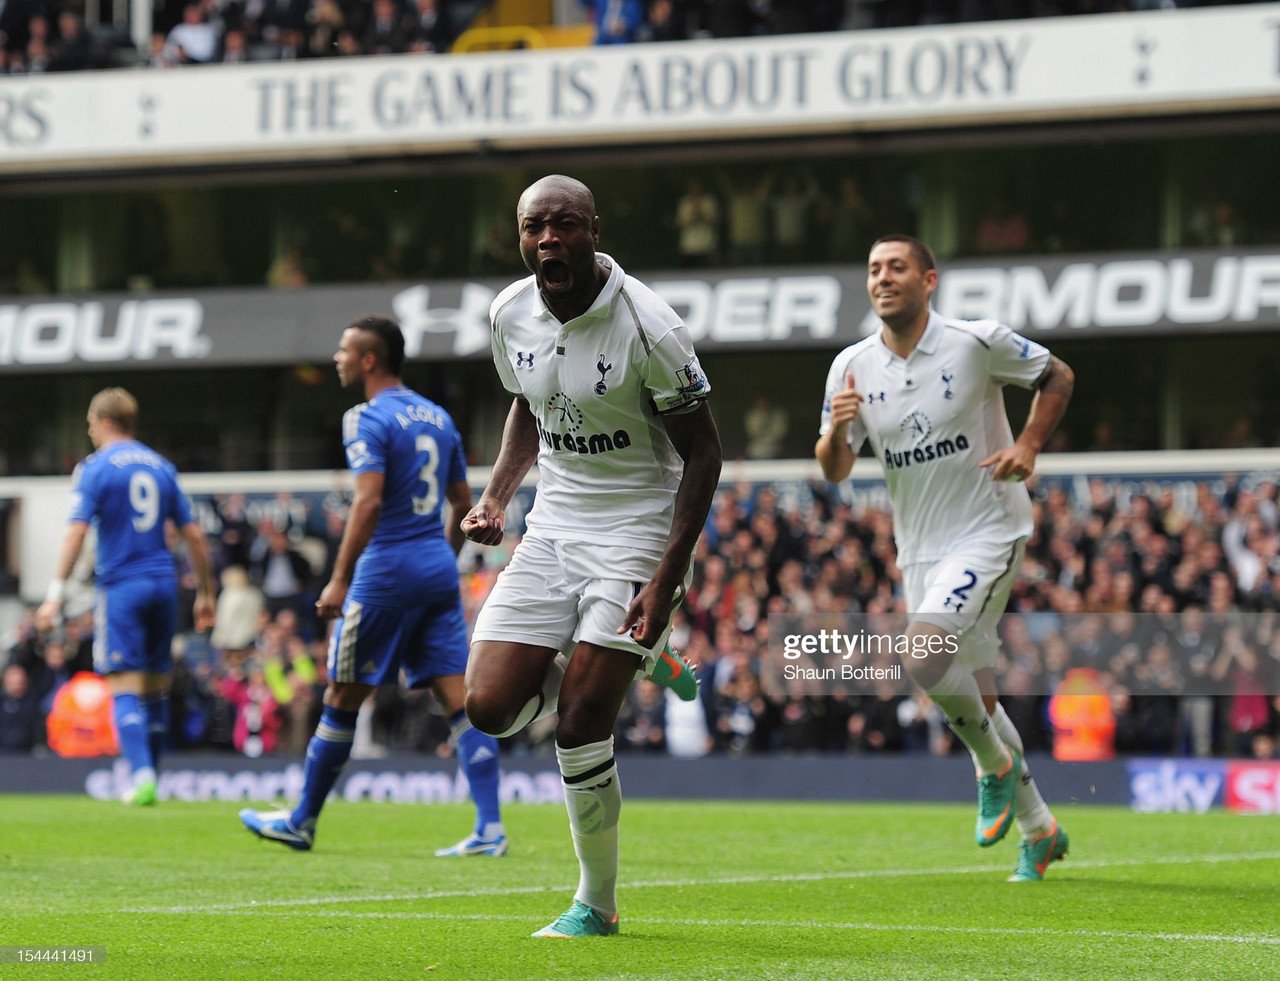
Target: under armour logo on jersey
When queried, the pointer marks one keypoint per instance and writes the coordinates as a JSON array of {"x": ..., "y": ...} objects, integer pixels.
[
  {"x": 946, "y": 381},
  {"x": 1026, "y": 348},
  {"x": 604, "y": 369},
  {"x": 874, "y": 397},
  {"x": 952, "y": 603},
  {"x": 524, "y": 359}
]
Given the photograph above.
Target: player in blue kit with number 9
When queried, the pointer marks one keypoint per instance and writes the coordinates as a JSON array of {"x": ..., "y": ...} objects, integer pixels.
[
  {"x": 128, "y": 492},
  {"x": 394, "y": 589}
]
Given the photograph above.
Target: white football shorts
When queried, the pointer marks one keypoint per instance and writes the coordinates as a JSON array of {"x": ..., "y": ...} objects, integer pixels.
[
  {"x": 966, "y": 594},
  {"x": 557, "y": 593}
]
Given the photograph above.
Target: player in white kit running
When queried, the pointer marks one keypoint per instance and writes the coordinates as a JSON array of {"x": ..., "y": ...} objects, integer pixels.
[{"x": 927, "y": 392}]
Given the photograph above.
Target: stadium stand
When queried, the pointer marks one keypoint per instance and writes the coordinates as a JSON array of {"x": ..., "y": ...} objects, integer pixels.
[
  {"x": 235, "y": 32},
  {"x": 1168, "y": 592}
]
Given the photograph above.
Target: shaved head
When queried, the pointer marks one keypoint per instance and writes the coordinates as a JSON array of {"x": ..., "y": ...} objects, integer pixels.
[{"x": 571, "y": 190}]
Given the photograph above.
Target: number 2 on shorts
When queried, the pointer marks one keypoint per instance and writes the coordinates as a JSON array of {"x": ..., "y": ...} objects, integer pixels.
[{"x": 960, "y": 595}]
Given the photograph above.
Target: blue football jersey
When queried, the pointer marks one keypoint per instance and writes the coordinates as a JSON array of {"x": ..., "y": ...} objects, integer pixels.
[
  {"x": 127, "y": 491},
  {"x": 414, "y": 444}
]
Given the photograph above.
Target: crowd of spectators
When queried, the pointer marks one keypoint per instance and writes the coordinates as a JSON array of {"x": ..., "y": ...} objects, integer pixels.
[
  {"x": 785, "y": 216},
  {"x": 796, "y": 214},
  {"x": 1169, "y": 598},
  {"x": 789, "y": 214},
  {"x": 39, "y": 36},
  {"x": 1167, "y": 595},
  {"x": 36, "y": 39}
]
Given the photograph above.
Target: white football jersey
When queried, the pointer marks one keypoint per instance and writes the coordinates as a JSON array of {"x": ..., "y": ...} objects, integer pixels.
[
  {"x": 931, "y": 418},
  {"x": 597, "y": 386}
]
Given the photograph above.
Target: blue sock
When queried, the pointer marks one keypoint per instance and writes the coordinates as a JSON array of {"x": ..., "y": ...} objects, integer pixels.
[
  {"x": 478, "y": 758},
  {"x": 327, "y": 754},
  {"x": 156, "y": 710},
  {"x": 131, "y": 730}
]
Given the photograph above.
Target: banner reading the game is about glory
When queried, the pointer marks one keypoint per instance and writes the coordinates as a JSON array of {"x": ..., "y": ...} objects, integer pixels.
[{"x": 1158, "y": 62}]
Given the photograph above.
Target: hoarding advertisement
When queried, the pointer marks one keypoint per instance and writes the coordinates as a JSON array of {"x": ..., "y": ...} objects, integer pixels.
[{"x": 1193, "y": 291}]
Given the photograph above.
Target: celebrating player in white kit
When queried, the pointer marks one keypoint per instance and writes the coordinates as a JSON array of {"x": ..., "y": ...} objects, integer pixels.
[
  {"x": 611, "y": 402},
  {"x": 926, "y": 391}
]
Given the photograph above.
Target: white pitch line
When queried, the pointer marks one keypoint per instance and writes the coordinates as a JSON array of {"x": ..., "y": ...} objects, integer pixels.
[
  {"x": 1225, "y": 938},
  {"x": 214, "y": 908}
]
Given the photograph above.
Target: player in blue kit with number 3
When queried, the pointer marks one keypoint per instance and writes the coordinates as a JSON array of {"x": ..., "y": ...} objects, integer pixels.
[
  {"x": 128, "y": 492},
  {"x": 394, "y": 588}
]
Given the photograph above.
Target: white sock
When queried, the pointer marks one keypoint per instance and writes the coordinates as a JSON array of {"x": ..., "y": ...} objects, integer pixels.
[
  {"x": 362, "y": 745},
  {"x": 957, "y": 694},
  {"x": 1032, "y": 813},
  {"x": 593, "y": 797},
  {"x": 542, "y": 704}
]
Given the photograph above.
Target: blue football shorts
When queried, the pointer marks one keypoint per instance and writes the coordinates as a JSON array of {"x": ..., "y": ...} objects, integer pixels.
[
  {"x": 370, "y": 645},
  {"x": 134, "y": 624}
]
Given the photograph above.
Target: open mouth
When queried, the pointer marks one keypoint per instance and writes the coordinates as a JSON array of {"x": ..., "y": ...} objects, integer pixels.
[{"x": 556, "y": 274}]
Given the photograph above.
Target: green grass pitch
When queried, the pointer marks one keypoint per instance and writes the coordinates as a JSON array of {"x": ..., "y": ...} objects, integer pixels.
[{"x": 709, "y": 890}]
